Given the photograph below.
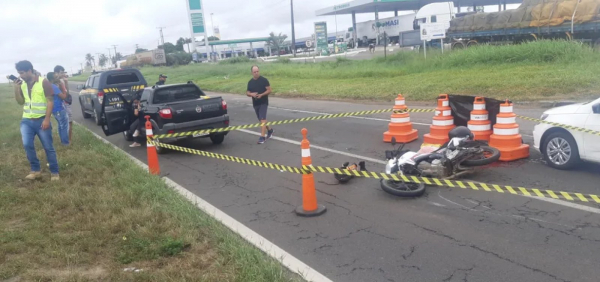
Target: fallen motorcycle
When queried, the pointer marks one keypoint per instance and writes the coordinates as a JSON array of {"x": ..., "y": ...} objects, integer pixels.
[{"x": 456, "y": 157}]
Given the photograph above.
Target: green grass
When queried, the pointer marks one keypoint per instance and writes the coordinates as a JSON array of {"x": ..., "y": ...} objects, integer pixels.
[
  {"x": 80, "y": 78},
  {"x": 107, "y": 214},
  {"x": 531, "y": 71}
]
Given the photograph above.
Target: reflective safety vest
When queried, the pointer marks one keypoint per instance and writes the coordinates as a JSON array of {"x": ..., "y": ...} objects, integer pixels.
[{"x": 35, "y": 102}]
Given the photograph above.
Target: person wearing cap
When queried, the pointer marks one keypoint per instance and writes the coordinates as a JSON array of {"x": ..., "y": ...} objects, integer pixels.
[{"x": 161, "y": 79}]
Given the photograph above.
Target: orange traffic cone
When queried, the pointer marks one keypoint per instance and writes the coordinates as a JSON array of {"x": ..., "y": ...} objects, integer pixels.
[
  {"x": 309, "y": 205},
  {"x": 442, "y": 123},
  {"x": 506, "y": 137},
  {"x": 400, "y": 125},
  {"x": 480, "y": 124},
  {"x": 153, "y": 166}
]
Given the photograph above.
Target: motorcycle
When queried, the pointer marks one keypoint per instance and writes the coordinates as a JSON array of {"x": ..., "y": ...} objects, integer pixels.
[{"x": 456, "y": 157}]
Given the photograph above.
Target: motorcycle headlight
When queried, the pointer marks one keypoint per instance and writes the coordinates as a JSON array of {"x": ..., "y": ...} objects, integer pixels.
[{"x": 544, "y": 116}]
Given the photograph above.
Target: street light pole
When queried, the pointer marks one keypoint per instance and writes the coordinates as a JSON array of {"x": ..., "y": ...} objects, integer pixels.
[
  {"x": 212, "y": 26},
  {"x": 293, "y": 32}
]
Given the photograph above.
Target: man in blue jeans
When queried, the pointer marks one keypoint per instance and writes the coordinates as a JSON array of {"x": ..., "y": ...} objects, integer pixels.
[
  {"x": 37, "y": 97},
  {"x": 59, "y": 112}
]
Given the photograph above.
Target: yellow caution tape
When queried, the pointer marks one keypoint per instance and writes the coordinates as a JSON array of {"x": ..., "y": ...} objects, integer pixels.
[
  {"x": 328, "y": 116},
  {"x": 562, "y": 125},
  {"x": 542, "y": 193}
]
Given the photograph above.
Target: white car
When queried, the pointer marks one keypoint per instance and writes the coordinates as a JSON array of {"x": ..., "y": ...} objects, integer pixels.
[{"x": 564, "y": 148}]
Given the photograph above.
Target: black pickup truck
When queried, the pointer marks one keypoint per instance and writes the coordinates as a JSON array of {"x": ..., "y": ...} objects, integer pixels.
[{"x": 172, "y": 108}]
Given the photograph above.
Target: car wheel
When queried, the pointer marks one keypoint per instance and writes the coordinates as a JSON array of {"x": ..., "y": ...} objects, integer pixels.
[
  {"x": 560, "y": 150},
  {"x": 127, "y": 136},
  {"x": 160, "y": 150},
  {"x": 217, "y": 139},
  {"x": 83, "y": 113},
  {"x": 97, "y": 117}
]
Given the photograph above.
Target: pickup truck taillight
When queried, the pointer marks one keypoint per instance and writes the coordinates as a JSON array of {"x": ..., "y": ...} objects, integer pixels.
[
  {"x": 100, "y": 97},
  {"x": 224, "y": 105},
  {"x": 165, "y": 113}
]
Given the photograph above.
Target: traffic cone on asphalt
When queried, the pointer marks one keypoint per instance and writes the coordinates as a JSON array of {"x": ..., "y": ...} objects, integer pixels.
[
  {"x": 506, "y": 137},
  {"x": 153, "y": 166},
  {"x": 309, "y": 205},
  {"x": 443, "y": 122},
  {"x": 400, "y": 125},
  {"x": 480, "y": 124}
]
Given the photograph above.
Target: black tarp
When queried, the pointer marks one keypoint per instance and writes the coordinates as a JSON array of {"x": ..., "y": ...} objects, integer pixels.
[{"x": 462, "y": 105}]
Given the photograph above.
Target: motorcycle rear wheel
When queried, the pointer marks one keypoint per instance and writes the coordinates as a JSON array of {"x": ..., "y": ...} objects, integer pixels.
[
  {"x": 402, "y": 189},
  {"x": 489, "y": 155}
]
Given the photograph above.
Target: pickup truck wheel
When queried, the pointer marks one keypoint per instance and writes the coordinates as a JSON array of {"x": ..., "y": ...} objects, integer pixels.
[
  {"x": 217, "y": 139},
  {"x": 83, "y": 113},
  {"x": 127, "y": 136},
  {"x": 160, "y": 150},
  {"x": 97, "y": 117}
]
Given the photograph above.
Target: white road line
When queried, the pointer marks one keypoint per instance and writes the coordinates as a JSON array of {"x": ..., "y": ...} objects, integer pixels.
[
  {"x": 317, "y": 147},
  {"x": 286, "y": 259},
  {"x": 319, "y": 113},
  {"x": 367, "y": 118}
]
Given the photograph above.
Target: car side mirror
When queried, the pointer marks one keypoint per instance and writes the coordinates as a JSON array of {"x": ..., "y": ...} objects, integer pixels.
[
  {"x": 596, "y": 109},
  {"x": 393, "y": 141}
]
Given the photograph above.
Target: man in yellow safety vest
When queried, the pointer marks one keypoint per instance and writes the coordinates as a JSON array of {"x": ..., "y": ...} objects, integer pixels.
[{"x": 36, "y": 96}]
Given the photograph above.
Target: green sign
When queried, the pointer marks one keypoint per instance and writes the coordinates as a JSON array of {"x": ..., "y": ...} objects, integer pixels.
[
  {"x": 195, "y": 5},
  {"x": 197, "y": 22},
  {"x": 321, "y": 46}
]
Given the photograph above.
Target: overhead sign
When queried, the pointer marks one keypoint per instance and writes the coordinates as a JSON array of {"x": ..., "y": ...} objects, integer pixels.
[
  {"x": 321, "y": 45},
  {"x": 431, "y": 31}
]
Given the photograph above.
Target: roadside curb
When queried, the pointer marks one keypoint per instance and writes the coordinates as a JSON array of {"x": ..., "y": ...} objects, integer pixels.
[{"x": 275, "y": 252}]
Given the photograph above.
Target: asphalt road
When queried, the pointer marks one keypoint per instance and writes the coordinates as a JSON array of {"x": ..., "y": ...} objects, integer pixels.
[{"x": 369, "y": 235}]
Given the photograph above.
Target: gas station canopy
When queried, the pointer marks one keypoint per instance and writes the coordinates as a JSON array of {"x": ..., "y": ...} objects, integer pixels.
[{"x": 372, "y": 6}]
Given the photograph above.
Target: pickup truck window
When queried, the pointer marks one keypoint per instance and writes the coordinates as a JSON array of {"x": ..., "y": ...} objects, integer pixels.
[
  {"x": 120, "y": 78},
  {"x": 145, "y": 96},
  {"x": 176, "y": 94},
  {"x": 96, "y": 83}
]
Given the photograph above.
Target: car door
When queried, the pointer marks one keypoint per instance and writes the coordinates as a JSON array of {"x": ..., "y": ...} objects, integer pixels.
[
  {"x": 84, "y": 96},
  {"x": 115, "y": 119},
  {"x": 592, "y": 141}
]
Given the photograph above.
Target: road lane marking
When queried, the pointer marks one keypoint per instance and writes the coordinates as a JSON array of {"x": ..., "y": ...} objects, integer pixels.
[
  {"x": 286, "y": 259},
  {"x": 365, "y": 118}
]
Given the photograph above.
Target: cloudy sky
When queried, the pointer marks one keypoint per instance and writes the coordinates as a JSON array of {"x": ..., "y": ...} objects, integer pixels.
[{"x": 50, "y": 32}]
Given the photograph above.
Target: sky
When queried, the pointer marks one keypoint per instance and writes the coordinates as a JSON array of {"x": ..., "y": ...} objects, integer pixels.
[{"x": 51, "y": 32}]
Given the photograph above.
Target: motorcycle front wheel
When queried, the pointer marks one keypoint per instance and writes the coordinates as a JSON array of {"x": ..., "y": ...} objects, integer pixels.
[
  {"x": 403, "y": 189},
  {"x": 489, "y": 155}
]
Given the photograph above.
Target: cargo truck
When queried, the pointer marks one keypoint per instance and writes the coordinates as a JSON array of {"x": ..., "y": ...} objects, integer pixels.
[
  {"x": 154, "y": 57},
  {"x": 533, "y": 20}
]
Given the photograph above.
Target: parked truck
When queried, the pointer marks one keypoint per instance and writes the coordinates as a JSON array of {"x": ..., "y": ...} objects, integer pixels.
[
  {"x": 154, "y": 57},
  {"x": 366, "y": 32},
  {"x": 532, "y": 20}
]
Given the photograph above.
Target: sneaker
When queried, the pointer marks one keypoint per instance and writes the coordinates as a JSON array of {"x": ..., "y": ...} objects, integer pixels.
[
  {"x": 136, "y": 133},
  {"x": 270, "y": 133},
  {"x": 54, "y": 177},
  {"x": 261, "y": 140},
  {"x": 135, "y": 144},
  {"x": 34, "y": 175}
]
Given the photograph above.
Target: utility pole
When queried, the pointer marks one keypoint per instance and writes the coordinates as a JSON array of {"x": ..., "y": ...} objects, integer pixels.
[
  {"x": 115, "y": 46},
  {"x": 293, "y": 32},
  {"x": 212, "y": 26},
  {"x": 162, "y": 39},
  {"x": 98, "y": 57},
  {"x": 136, "y": 47}
]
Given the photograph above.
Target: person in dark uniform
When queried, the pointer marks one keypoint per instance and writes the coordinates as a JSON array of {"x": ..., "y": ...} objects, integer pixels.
[
  {"x": 259, "y": 89},
  {"x": 161, "y": 79}
]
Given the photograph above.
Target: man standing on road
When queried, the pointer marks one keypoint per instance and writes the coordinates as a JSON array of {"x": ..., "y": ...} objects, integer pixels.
[
  {"x": 259, "y": 89},
  {"x": 37, "y": 97},
  {"x": 161, "y": 79},
  {"x": 59, "y": 72}
]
